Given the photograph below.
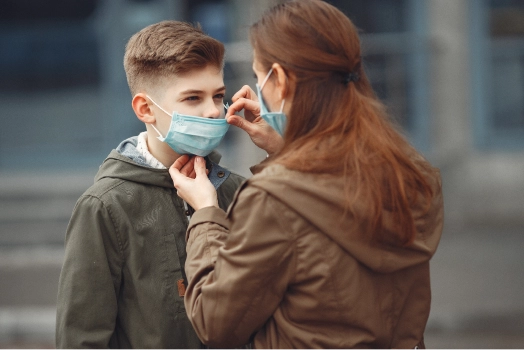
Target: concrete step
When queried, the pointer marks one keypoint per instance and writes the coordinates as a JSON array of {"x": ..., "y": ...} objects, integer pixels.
[
  {"x": 28, "y": 289},
  {"x": 35, "y": 209},
  {"x": 477, "y": 272}
]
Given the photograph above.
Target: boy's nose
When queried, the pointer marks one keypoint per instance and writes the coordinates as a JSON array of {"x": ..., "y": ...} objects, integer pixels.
[{"x": 212, "y": 111}]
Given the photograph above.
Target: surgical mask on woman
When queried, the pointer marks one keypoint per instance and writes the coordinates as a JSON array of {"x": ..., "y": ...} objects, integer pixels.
[
  {"x": 277, "y": 120},
  {"x": 189, "y": 134}
]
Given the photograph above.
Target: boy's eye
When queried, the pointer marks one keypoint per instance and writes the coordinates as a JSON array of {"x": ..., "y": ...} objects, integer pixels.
[
  {"x": 219, "y": 96},
  {"x": 192, "y": 98}
]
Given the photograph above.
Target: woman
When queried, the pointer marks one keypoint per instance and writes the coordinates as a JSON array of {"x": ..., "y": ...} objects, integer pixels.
[{"x": 328, "y": 244}]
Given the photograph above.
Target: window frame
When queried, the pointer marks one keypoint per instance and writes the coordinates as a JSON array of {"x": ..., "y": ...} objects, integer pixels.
[{"x": 486, "y": 137}]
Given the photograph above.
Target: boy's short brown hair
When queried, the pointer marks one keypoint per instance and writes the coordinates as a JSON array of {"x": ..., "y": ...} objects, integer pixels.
[{"x": 167, "y": 48}]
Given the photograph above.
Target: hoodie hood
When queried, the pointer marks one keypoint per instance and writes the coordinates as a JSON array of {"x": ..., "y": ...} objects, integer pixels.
[
  {"x": 319, "y": 199},
  {"x": 127, "y": 163}
]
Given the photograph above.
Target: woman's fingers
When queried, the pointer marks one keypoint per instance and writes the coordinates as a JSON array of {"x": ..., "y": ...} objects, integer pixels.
[
  {"x": 195, "y": 189},
  {"x": 188, "y": 168},
  {"x": 245, "y": 99},
  {"x": 180, "y": 162},
  {"x": 260, "y": 132},
  {"x": 200, "y": 167},
  {"x": 185, "y": 164},
  {"x": 176, "y": 176},
  {"x": 245, "y": 92},
  {"x": 243, "y": 124},
  {"x": 251, "y": 109}
]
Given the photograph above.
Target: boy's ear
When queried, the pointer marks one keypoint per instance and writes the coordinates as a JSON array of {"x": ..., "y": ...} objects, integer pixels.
[{"x": 140, "y": 104}]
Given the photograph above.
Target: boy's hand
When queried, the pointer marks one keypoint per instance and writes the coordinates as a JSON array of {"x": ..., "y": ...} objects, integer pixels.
[
  {"x": 198, "y": 192},
  {"x": 262, "y": 135}
]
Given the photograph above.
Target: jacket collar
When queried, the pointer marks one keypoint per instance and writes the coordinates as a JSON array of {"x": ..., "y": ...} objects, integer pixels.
[{"x": 126, "y": 163}]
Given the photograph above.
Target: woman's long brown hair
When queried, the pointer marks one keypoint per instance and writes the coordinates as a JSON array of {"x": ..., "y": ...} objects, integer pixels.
[{"x": 339, "y": 126}]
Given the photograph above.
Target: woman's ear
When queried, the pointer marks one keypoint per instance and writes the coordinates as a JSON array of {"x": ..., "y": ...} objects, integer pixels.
[
  {"x": 282, "y": 81},
  {"x": 142, "y": 109}
]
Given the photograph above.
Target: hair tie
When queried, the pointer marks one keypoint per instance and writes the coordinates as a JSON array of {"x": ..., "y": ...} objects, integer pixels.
[{"x": 349, "y": 77}]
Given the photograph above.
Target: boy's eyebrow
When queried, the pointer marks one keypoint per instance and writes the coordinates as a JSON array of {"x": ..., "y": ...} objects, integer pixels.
[
  {"x": 194, "y": 91},
  {"x": 187, "y": 92}
]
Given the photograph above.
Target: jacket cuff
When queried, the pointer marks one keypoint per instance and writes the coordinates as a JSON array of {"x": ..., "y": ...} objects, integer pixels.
[{"x": 208, "y": 214}]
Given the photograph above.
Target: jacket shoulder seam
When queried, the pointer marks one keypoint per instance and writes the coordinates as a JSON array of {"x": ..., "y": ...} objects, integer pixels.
[
  {"x": 111, "y": 216},
  {"x": 102, "y": 193}
]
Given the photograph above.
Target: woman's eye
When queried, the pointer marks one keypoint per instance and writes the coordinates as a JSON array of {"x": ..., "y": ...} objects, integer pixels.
[
  {"x": 219, "y": 96},
  {"x": 192, "y": 98}
]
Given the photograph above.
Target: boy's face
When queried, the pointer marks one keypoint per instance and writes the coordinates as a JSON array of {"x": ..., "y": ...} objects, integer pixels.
[{"x": 198, "y": 93}]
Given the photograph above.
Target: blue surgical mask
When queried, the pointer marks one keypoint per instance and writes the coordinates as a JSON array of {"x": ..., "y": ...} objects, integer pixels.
[
  {"x": 277, "y": 120},
  {"x": 189, "y": 134}
]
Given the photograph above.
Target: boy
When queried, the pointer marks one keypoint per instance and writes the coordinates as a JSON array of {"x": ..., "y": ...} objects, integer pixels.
[{"x": 123, "y": 280}]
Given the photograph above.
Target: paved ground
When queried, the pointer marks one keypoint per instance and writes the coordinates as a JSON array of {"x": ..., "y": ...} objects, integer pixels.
[
  {"x": 477, "y": 273},
  {"x": 477, "y": 283}
]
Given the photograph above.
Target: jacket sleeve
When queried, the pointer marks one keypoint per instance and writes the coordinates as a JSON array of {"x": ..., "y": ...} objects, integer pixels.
[
  {"x": 238, "y": 268},
  {"x": 90, "y": 278}
]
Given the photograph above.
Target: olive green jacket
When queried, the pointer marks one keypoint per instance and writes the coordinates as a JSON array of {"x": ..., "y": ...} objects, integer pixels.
[{"x": 124, "y": 257}]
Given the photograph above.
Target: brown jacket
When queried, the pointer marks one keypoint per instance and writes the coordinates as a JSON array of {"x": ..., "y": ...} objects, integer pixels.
[{"x": 284, "y": 268}]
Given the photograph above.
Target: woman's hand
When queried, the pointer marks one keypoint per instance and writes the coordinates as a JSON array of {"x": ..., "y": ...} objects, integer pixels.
[
  {"x": 197, "y": 191},
  {"x": 262, "y": 135}
]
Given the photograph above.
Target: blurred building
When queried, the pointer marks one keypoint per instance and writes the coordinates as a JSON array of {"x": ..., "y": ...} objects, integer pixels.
[{"x": 450, "y": 71}]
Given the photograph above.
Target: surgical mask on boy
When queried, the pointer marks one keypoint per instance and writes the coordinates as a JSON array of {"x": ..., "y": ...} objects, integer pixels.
[
  {"x": 189, "y": 134},
  {"x": 277, "y": 120}
]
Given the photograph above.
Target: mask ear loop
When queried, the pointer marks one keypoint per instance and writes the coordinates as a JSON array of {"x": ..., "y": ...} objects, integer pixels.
[
  {"x": 266, "y": 78},
  {"x": 264, "y": 83},
  {"x": 283, "y": 100},
  {"x": 160, "y": 137},
  {"x": 282, "y": 105}
]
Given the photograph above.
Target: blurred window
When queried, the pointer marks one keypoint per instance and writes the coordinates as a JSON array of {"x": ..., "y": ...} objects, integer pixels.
[
  {"x": 51, "y": 44},
  {"x": 212, "y": 15},
  {"x": 395, "y": 55},
  {"x": 498, "y": 62},
  {"x": 63, "y": 88},
  {"x": 50, "y": 69}
]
